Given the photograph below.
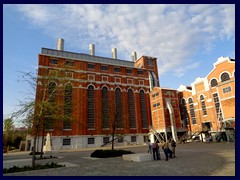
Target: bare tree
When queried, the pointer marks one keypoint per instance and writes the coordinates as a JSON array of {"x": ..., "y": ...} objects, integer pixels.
[
  {"x": 116, "y": 115},
  {"x": 41, "y": 109}
]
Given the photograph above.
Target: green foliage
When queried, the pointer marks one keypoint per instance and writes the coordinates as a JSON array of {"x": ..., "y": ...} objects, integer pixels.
[
  {"x": 11, "y": 135},
  {"x": 29, "y": 168},
  {"x": 99, "y": 153}
]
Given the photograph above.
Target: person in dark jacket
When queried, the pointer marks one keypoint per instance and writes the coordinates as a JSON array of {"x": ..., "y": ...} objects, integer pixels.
[
  {"x": 155, "y": 149},
  {"x": 173, "y": 146}
]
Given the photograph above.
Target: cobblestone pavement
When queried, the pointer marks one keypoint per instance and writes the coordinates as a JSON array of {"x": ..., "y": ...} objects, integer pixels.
[{"x": 193, "y": 159}]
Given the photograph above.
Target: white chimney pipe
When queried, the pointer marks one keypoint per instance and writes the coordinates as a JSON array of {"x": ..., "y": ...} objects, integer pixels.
[
  {"x": 134, "y": 56},
  {"x": 92, "y": 49},
  {"x": 60, "y": 44},
  {"x": 114, "y": 53}
]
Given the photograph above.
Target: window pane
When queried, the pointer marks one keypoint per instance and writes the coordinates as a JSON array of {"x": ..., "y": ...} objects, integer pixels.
[
  {"x": 214, "y": 82},
  {"x": 69, "y": 63},
  {"x": 133, "y": 139},
  {"x": 66, "y": 142},
  {"x": 131, "y": 109},
  {"x": 53, "y": 61},
  {"x": 129, "y": 71},
  {"x": 120, "y": 139},
  {"x": 91, "y": 140},
  {"x": 192, "y": 113},
  {"x": 67, "y": 107},
  {"x": 225, "y": 77},
  {"x": 118, "y": 103},
  {"x": 91, "y": 66},
  {"x": 90, "y": 107},
  {"x": 139, "y": 72},
  {"x": 203, "y": 105},
  {"x": 143, "y": 110},
  {"x": 217, "y": 106},
  {"x": 105, "y": 68},
  {"x": 184, "y": 114},
  {"x": 105, "y": 108},
  {"x": 105, "y": 140},
  {"x": 116, "y": 69}
]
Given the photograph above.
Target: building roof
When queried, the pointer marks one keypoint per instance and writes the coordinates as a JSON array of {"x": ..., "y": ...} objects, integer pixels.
[{"x": 86, "y": 57}]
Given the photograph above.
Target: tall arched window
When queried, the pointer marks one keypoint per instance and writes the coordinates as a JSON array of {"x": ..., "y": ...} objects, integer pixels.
[
  {"x": 224, "y": 77},
  {"x": 67, "y": 122},
  {"x": 118, "y": 103},
  {"x": 192, "y": 113},
  {"x": 214, "y": 82},
  {"x": 52, "y": 92},
  {"x": 49, "y": 121},
  {"x": 184, "y": 114},
  {"x": 217, "y": 106},
  {"x": 105, "y": 108},
  {"x": 131, "y": 109},
  {"x": 90, "y": 107},
  {"x": 203, "y": 105},
  {"x": 143, "y": 109}
]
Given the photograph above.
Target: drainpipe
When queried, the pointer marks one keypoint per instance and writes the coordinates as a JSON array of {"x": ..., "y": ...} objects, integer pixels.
[{"x": 172, "y": 120}]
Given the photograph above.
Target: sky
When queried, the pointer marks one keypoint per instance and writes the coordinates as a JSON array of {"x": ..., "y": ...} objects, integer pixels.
[{"x": 186, "y": 39}]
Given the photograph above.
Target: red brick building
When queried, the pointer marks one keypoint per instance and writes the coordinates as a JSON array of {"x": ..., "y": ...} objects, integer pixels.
[
  {"x": 94, "y": 91},
  {"x": 98, "y": 88},
  {"x": 204, "y": 109},
  {"x": 166, "y": 118}
]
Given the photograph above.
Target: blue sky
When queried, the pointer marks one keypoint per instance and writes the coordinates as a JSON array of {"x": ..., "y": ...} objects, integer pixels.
[{"x": 186, "y": 39}]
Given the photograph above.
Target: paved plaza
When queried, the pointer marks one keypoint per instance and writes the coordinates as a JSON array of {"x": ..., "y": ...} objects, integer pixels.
[{"x": 193, "y": 159}]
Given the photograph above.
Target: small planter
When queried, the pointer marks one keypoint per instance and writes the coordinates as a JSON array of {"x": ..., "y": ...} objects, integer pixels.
[{"x": 29, "y": 168}]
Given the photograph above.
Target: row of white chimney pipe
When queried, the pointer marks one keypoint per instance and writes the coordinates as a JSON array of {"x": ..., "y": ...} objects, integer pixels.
[{"x": 60, "y": 47}]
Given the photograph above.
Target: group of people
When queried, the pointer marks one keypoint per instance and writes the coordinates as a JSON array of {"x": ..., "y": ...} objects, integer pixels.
[{"x": 169, "y": 150}]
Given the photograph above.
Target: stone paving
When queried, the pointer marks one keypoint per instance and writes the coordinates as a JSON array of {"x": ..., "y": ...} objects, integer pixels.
[{"x": 193, "y": 159}]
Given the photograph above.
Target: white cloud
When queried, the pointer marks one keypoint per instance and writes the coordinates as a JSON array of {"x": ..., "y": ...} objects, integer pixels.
[
  {"x": 172, "y": 33},
  {"x": 180, "y": 71}
]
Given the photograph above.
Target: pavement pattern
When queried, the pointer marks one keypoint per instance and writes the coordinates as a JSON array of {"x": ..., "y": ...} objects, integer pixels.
[{"x": 193, "y": 159}]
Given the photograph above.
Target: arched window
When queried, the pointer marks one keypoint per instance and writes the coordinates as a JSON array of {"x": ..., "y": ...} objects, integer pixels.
[
  {"x": 184, "y": 114},
  {"x": 203, "y": 105},
  {"x": 192, "y": 113},
  {"x": 214, "y": 82},
  {"x": 105, "y": 108},
  {"x": 67, "y": 124},
  {"x": 217, "y": 106},
  {"x": 131, "y": 109},
  {"x": 52, "y": 92},
  {"x": 224, "y": 77},
  {"x": 118, "y": 103},
  {"x": 90, "y": 107},
  {"x": 49, "y": 121},
  {"x": 143, "y": 109}
]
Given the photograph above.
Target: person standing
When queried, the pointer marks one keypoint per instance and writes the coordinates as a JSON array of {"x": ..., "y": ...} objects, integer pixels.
[
  {"x": 165, "y": 149},
  {"x": 155, "y": 149},
  {"x": 173, "y": 146},
  {"x": 158, "y": 152},
  {"x": 149, "y": 146}
]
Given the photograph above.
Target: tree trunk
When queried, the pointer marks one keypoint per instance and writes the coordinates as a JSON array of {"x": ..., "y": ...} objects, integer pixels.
[
  {"x": 33, "y": 151},
  {"x": 113, "y": 140},
  {"x": 43, "y": 131}
]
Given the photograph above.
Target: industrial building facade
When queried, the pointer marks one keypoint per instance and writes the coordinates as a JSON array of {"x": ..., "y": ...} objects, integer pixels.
[
  {"x": 98, "y": 91},
  {"x": 101, "y": 94},
  {"x": 205, "y": 109}
]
